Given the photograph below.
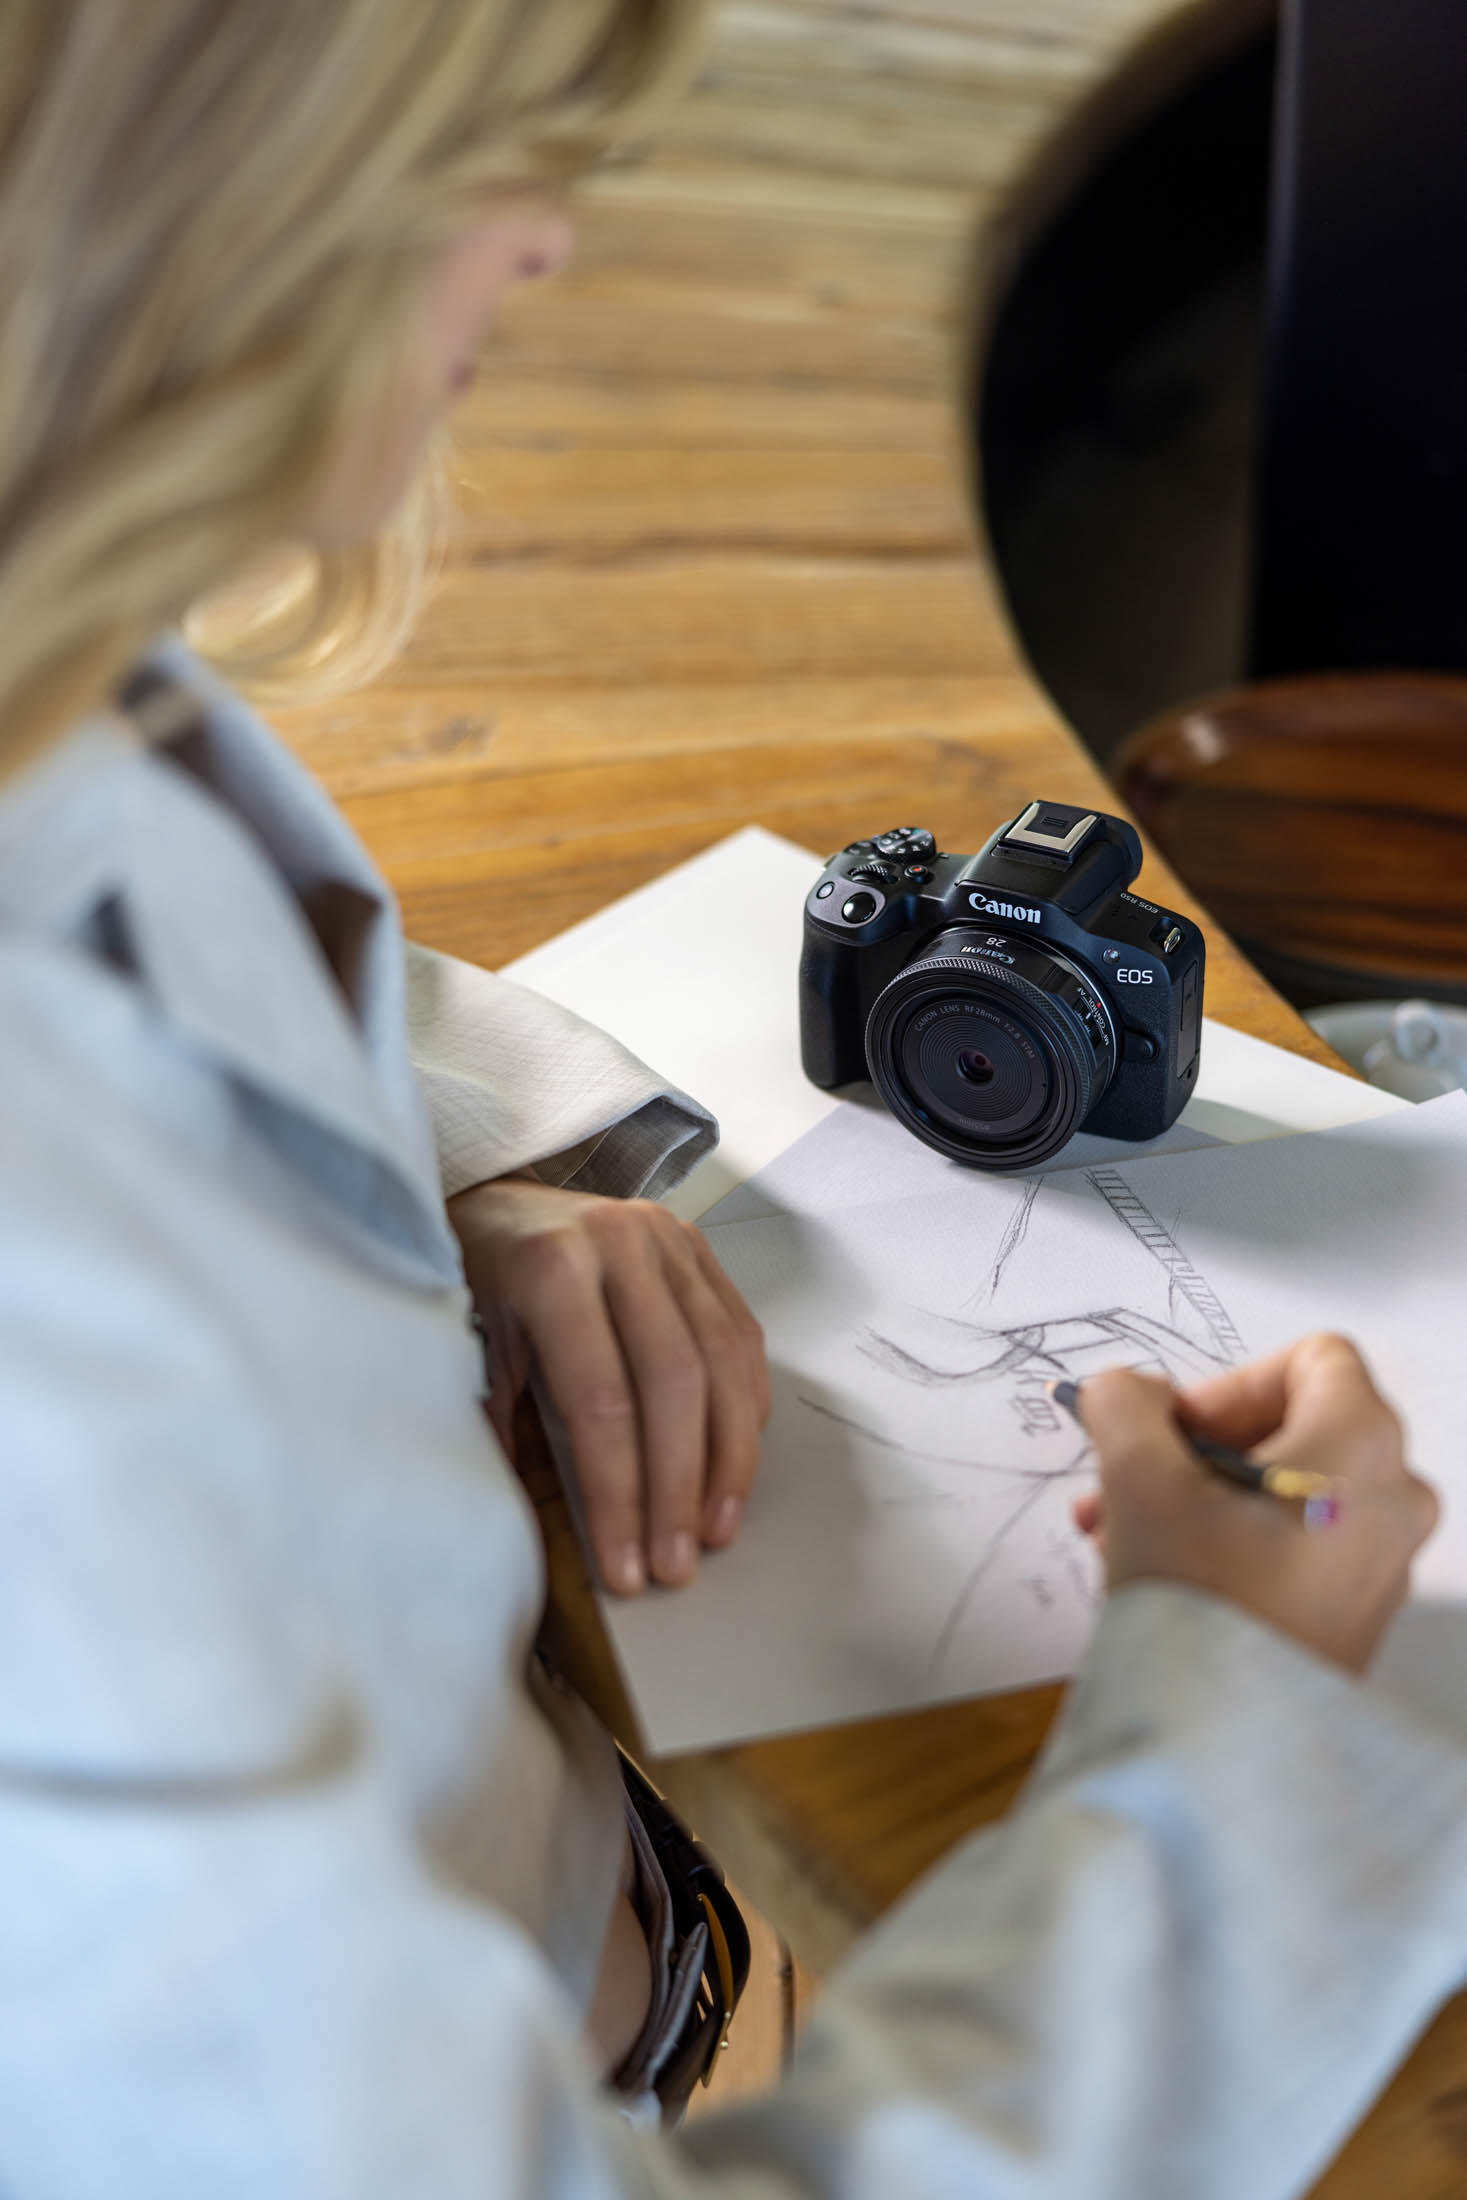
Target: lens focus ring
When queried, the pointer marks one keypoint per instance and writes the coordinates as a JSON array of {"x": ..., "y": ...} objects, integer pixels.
[{"x": 995, "y": 1063}]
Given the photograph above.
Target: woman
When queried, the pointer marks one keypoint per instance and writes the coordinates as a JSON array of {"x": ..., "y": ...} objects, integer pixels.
[{"x": 310, "y": 1883}]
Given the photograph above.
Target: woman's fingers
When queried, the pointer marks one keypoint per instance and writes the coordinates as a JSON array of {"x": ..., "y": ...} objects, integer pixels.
[
  {"x": 1164, "y": 1517},
  {"x": 750, "y": 1335},
  {"x": 1241, "y": 1406},
  {"x": 1131, "y": 1420},
  {"x": 508, "y": 1356},
  {"x": 563, "y": 1305},
  {"x": 732, "y": 1347},
  {"x": 1316, "y": 1391},
  {"x": 1088, "y": 1513},
  {"x": 671, "y": 1380},
  {"x": 1331, "y": 1402},
  {"x": 649, "y": 1354}
]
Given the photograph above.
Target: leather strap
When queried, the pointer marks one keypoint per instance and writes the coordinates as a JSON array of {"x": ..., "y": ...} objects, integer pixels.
[{"x": 701, "y": 1903}]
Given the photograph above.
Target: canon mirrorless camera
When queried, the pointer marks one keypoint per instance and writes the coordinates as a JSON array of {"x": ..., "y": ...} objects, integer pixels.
[{"x": 1001, "y": 1002}]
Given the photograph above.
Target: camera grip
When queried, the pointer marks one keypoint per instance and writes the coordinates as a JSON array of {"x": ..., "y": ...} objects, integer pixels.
[{"x": 832, "y": 1014}]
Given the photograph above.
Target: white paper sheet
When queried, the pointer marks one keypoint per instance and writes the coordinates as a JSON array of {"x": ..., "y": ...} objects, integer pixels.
[
  {"x": 696, "y": 973},
  {"x": 910, "y": 1540}
]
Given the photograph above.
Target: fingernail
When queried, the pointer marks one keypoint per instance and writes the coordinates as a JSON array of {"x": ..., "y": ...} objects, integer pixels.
[
  {"x": 724, "y": 1525},
  {"x": 674, "y": 1556},
  {"x": 626, "y": 1573}
]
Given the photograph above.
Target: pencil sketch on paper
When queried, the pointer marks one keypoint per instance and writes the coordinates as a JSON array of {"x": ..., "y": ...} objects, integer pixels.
[
  {"x": 910, "y": 1540},
  {"x": 1013, "y": 1366}
]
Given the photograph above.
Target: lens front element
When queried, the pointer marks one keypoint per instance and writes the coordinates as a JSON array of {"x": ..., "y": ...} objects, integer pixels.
[
  {"x": 976, "y": 1069},
  {"x": 993, "y": 1062}
]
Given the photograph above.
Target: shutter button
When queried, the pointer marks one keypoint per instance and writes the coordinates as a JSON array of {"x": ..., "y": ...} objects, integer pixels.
[{"x": 859, "y": 908}]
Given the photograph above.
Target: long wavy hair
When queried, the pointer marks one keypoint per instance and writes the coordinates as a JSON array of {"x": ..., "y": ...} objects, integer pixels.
[{"x": 213, "y": 216}]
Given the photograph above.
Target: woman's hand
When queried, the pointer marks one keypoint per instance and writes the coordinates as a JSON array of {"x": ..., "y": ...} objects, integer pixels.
[
  {"x": 649, "y": 1354},
  {"x": 1160, "y": 1515}
]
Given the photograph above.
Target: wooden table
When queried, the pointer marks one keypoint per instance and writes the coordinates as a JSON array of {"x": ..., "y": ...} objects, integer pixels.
[{"x": 719, "y": 564}]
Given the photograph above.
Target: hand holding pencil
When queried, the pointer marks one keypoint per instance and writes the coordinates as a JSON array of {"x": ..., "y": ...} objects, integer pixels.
[
  {"x": 1319, "y": 1496},
  {"x": 1311, "y": 1411}
]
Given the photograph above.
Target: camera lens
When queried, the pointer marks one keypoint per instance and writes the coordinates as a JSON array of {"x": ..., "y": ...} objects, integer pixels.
[{"x": 992, "y": 1050}]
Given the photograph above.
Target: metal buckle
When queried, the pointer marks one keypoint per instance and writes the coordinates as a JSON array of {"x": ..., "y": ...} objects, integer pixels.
[{"x": 718, "y": 1940}]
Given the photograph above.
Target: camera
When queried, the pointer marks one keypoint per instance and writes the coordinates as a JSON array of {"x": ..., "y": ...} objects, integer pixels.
[{"x": 1002, "y": 1002}]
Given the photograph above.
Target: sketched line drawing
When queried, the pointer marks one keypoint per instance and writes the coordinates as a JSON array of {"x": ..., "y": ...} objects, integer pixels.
[
  {"x": 1015, "y": 1364},
  {"x": 940, "y": 1351},
  {"x": 962, "y": 1604},
  {"x": 1183, "y": 1279},
  {"x": 1013, "y": 1238},
  {"x": 1036, "y": 1478},
  {"x": 902, "y": 1450}
]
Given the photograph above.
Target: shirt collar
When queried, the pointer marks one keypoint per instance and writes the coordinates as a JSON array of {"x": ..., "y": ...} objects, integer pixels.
[{"x": 208, "y": 856}]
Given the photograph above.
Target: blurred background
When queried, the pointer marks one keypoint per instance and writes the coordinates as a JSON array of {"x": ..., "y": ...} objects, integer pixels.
[
  {"x": 949, "y": 378},
  {"x": 1223, "y": 464}
]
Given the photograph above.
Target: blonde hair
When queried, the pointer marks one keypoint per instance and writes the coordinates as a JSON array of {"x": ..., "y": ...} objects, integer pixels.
[{"x": 213, "y": 216}]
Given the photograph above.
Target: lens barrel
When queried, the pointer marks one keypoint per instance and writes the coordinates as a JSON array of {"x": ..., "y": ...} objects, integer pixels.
[{"x": 992, "y": 1052}]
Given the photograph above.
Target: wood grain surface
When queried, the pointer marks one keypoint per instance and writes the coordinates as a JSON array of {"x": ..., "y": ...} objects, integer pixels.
[{"x": 719, "y": 564}]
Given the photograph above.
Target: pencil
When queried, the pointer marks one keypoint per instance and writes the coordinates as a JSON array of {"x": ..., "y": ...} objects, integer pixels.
[{"x": 1319, "y": 1494}]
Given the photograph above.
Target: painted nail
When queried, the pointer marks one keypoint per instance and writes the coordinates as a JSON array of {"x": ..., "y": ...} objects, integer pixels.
[
  {"x": 626, "y": 1573},
  {"x": 727, "y": 1514},
  {"x": 674, "y": 1557}
]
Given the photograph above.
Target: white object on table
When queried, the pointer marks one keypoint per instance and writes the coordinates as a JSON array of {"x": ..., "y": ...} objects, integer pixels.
[{"x": 1417, "y": 1049}]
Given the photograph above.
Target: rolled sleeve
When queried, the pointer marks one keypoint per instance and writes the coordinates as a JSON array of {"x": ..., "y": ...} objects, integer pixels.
[
  {"x": 515, "y": 1081},
  {"x": 1233, "y": 1893}
]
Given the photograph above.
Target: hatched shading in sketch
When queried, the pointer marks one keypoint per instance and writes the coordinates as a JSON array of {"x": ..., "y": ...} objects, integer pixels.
[{"x": 1012, "y": 1366}]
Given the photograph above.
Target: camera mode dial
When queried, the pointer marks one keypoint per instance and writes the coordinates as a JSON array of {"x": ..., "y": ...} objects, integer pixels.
[{"x": 906, "y": 844}]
